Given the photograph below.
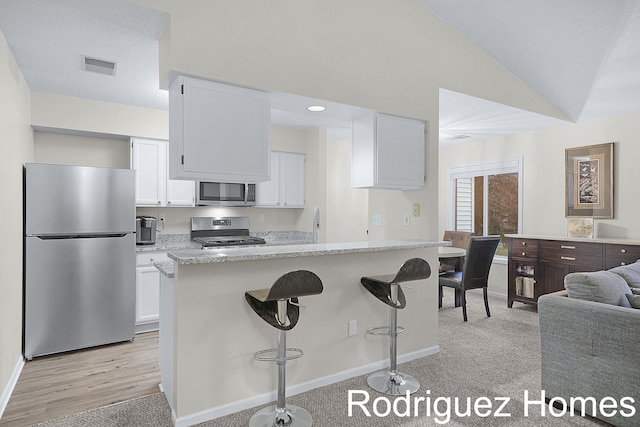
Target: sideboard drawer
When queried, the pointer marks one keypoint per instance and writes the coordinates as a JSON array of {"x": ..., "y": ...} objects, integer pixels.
[
  {"x": 573, "y": 258},
  {"x": 617, "y": 255},
  {"x": 569, "y": 248},
  {"x": 523, "y": 248}
]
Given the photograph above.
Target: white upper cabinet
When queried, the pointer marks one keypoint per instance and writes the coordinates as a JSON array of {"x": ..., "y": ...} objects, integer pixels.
[
  {"x": 218, "y": 132},
  {"x": 387, "y": 152},
  {"x": 148, "y": 158},
  {"x": 153, "y": 188},
  {"x": 286, "y": 187}
]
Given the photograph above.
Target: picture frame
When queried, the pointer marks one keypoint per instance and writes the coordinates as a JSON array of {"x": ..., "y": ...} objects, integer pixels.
[
  {"x": 589, "y": 181},
  {"x": 580, "y": 227}
]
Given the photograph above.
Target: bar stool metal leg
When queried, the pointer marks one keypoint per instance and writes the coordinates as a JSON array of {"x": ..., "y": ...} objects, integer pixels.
[
  {"x": 281, "y": 414},
  {"x": 391, "y": 381}
]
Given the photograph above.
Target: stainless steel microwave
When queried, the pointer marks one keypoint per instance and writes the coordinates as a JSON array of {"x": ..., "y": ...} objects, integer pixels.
[{"x": 225, "y": 194}]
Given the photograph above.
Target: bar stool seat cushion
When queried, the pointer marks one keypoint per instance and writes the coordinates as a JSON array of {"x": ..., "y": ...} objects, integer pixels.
[
  {"x": 380, "y": 286},
  {"x": 287, "y": 287}
]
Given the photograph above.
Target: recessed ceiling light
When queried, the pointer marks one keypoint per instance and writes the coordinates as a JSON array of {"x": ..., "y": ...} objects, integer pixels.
[{"x": 316, "y": 108}]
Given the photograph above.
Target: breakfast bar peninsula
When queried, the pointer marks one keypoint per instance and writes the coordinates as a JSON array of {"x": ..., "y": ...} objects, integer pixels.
[{"x": 209, "y": 334}]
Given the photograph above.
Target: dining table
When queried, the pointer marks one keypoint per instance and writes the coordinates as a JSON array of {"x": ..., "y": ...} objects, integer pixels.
[
  {"x": 452, "y": 258},
  {"x": 452, "y": 255}
]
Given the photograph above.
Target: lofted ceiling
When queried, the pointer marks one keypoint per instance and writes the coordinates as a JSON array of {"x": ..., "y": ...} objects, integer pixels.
[{"x": 581, "y": 55}]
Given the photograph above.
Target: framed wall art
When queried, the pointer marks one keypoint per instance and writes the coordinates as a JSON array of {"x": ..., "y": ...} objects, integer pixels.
[{"x": 589, "y": 181}]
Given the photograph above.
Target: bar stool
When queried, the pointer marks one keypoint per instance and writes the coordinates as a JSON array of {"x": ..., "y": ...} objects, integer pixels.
[
  {"x": 387, "y": 289},
  {"x": 278, "y": 306}
]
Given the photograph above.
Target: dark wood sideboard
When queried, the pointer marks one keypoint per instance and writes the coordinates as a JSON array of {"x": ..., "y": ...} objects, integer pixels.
[{"x": 537, "y": 265}]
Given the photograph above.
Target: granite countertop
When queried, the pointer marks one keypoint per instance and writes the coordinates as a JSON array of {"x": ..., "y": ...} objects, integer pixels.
[
  {"x": 165, "y": 267},
  {"x": 206, "y": 256},
  {"x": 168, "y": 242}
]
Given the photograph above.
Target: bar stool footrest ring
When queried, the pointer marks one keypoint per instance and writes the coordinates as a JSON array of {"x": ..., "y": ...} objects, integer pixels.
[
  {"x": 265, "y": 355},
  {"x": 384, "y": 330}
]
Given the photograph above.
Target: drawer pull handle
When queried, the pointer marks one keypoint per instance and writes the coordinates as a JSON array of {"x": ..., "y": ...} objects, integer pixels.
[
  {"x": 623, "y": 263},
  {"x": 568, "y": 258},
  {"x": 524, "y": 254},
  {"x": 567, "y": 247},
  {"x": 624, "y": 251},
  {"x": 524, "y": 243}
]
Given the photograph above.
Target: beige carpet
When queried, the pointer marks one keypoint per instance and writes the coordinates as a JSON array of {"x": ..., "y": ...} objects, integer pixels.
[{"x": 496, "y": 358}]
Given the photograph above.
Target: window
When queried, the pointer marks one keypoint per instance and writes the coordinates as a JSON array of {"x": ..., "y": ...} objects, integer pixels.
[{"x": 486, "y": 199}]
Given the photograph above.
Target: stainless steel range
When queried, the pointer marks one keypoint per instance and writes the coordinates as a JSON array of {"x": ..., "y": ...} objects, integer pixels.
[{"x": 213, "y": 232}]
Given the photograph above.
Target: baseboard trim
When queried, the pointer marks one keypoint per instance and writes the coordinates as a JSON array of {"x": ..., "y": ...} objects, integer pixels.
[
  {"x": 252, "y": 402},
  {"x": 11, "y": 385}
]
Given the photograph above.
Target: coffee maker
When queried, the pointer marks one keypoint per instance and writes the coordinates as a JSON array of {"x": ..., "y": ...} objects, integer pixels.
[{"x": 145, "y": 230}]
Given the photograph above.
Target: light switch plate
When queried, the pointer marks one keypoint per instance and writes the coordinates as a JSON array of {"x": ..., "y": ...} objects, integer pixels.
[
  {"x": 377, "y": 220},
  {"x": 416, "y": 209}
]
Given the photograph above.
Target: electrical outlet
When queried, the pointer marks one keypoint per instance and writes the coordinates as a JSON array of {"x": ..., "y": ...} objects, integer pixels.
[
  {"x": 261, "y": 218},
  {"x": 353, "y": 328},
  {"x": 377, "y": 220},
  {"x": 406, "y": 220},
  {"x": 416, "y": 209}
]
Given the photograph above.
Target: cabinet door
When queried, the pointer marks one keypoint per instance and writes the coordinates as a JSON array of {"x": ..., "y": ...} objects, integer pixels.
[
  {"x": 221, "y": 131},
  {"x": 148, "y": 158},
  {"x": 147, "y": 294},
  {"x": 268, "y": 192},
  {"x": 552, "y": 276},
  {"x": 387, "y": 152},
  {"x": 180, "y": 192},
  {"x": 292, "y": 180},
  {"x": 399, "y": 152}
]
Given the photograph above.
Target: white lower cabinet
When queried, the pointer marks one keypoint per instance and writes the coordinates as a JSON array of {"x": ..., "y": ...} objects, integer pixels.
[{"x": 148, "y": 291}]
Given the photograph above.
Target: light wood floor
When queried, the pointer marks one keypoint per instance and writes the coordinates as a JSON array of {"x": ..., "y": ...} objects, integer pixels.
[{"x": 55, "y": 386}]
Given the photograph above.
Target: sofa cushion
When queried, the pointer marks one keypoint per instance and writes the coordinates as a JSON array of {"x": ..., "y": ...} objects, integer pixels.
[
  {"x": 598, "y": 286},
  {"x": 630, "y": 273},
  {"x": 634, "y": 300}
]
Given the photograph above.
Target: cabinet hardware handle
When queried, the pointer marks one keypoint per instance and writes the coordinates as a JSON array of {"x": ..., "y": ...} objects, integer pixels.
[
  {"x": 623, "y": 263},
  {"x": 524, "y": 254},
  {"x": 568, "y": 258},
  {"x": 524, "y": 243},
  {"x": 624, "y": 251},
  {"x": 567, "y": 247}
]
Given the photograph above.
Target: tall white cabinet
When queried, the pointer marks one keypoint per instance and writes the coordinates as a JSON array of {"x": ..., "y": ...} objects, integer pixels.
[
  {"x": 387, "y": 152},
  {"x": 286, "y": 187},
  {"x": 153, "y": 188}
]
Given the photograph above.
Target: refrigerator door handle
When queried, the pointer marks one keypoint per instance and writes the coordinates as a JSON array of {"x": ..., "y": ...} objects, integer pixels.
[{"x": 79, "y": 236}]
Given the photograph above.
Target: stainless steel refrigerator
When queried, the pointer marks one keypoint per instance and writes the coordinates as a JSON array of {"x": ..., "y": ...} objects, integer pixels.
[{"x": 79, "y": 263}]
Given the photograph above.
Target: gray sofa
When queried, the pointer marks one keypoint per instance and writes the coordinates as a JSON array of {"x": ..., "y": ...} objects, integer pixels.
[{"x": 590, "y": 341}]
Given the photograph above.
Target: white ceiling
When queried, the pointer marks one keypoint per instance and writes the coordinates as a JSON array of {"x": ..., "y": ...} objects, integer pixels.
[{"x": 582, "y": 55}]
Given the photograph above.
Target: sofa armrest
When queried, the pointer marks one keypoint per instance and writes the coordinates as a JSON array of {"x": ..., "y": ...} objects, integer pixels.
[{"x": 589, "y": 349}]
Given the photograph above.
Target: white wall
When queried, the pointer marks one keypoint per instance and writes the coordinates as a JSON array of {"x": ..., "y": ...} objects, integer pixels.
[
  {"x": 395, "y": 63},
  {"x": 544, "y": 177},
  {"x": 83, "y": 150},
  {"x": 16, "y": 149}
]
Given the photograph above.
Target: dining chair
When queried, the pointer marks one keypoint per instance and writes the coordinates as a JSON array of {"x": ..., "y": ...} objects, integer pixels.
[
  {"x": 458, "y": 239},
  {"x": 475, "y": 271}
]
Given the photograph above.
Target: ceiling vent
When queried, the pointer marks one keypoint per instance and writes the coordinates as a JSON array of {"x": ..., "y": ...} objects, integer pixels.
[{"x": 100, "y": 66}]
